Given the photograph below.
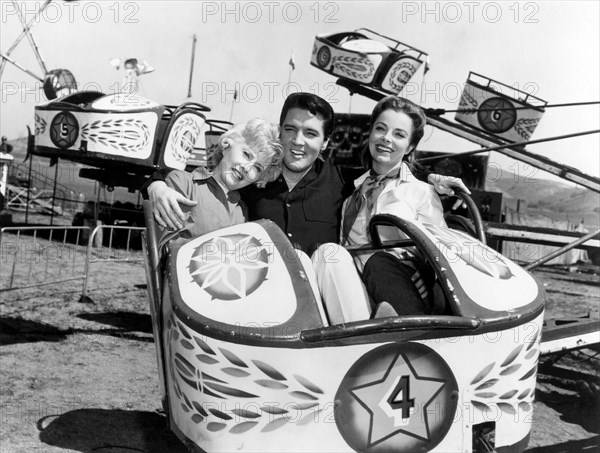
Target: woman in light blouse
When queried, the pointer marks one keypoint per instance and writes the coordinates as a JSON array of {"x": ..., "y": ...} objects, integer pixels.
[{"x": 397, "y": 126}]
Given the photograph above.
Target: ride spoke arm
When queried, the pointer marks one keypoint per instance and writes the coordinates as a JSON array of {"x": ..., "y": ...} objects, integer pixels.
[
  {"x": 32, "y": 42},
  {"x": 18, "y": 40},
  {"x": 541, "y": 162}
]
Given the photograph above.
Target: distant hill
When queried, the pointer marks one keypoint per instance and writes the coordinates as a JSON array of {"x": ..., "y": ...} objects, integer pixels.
[{"x": 556, "y": 200}]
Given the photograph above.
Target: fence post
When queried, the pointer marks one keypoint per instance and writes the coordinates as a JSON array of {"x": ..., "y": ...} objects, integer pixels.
[{"x": 86, "y": 273}]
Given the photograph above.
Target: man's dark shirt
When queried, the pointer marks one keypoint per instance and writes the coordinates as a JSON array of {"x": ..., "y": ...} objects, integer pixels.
[{"x": 310, "y": 213}]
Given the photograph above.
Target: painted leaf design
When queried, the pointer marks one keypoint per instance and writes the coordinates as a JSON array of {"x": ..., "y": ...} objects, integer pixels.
[
  {"x": 185, "y": 408},
  {"x": 206, "y": 359},
  {"x": 245, "y": 413},
  {"x": 208, "y": 377},
  {"x": 274, "y": 410},
  {"x": 486, "y": 395},
  {"x": 213, "y": 394},
  {"x": 487, "y": 384},
  {"x": 523, "y": 394},
  {"x": 177, "y": 392},
  {"x": 529, "y": 373},
  {"x": 512, "y": 356},
  {"x": 199, "y": 408},
  {"x": 233, "y": 358},
  {"x": 303, "y": 395},
  {"x": 204, "y": 346},
  {"x": 505, "y": 407},
  {"x": 242, "y": 427},
  {"x": 271, "y": 384},
  {"x": 304, "y": 406},
  {"x": 531, "y": 354},
  {"x": 197, "y": 418},
  {"x": 184, "y": 366},
  {"x": 175, "y": 335},
  {"x": 236, "y": 372},
  {"x": 214, "y": 426},
  {"x": 217, "y": 413},
  {"x": 309, "y": 418},
  {"x": 525, "y": 407},
  {"x": 510, "y": 370},
  {"x": 187, "y": 401},
  {"x": 483, "y": 373},
  {"x": 480, "y": 406},
  {"x": 269, "y": 370},
  {"x": 187, "y": 345},
  {"x": 272, "y": 426},
  {"x": 184, "y": 331},
  {"x": 534, "y": 341},
  {"x": 229, "y": 390},
  {"x": 309, "y": 385},
  {"x": 190, "y": 382},
  {"x": 509, "y": 395}
]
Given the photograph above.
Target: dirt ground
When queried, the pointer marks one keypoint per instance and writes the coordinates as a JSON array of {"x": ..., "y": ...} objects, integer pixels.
[{"x": 82, "y": 377}]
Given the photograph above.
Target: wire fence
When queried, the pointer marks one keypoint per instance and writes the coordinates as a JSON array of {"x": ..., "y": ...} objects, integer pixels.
[{"x": 46, "y": 255}]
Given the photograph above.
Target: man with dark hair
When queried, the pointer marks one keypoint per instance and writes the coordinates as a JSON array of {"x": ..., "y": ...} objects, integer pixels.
[{"x": 306, "y": 200}]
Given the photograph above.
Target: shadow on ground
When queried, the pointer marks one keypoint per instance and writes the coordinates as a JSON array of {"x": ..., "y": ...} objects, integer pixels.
[
  {"x": 591, "y": 445},
  {"x": 106, "y": 430},
  {"x": 127, "y": 325},
  {"x": 128, "y": 321},
  {"x": 18, "y": 330}
]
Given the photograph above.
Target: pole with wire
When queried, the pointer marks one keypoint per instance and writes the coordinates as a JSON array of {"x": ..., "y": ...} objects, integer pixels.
[
  {"x": 189, "y": 95},
  {"x": 292, "y": 64},
  {"x": 235, "y": 96}
]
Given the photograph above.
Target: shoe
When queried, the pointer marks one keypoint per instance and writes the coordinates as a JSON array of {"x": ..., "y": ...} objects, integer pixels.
[{"x": 384, "y": 310}]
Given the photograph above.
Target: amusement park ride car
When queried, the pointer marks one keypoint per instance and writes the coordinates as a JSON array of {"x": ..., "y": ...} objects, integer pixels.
[{"x": 247, "y": 358}]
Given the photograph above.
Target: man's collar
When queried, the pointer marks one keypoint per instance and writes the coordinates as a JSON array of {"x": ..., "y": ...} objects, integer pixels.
[{"x": 312, "y": 173}]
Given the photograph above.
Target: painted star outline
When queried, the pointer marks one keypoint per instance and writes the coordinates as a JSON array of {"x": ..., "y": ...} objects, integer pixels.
[{"x": 371, "y": 442}]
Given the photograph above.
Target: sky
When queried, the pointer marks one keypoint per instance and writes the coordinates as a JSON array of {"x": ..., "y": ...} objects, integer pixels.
[{"x": 549, "y": 49}]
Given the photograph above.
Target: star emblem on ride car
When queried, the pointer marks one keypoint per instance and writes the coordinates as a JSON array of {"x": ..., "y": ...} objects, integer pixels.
[
  {"x": 388, "y": 399},
  {"x": 64, "y": 130},
  {"x": 230, "y": 267},
  {"x": 397, "y": 398}
]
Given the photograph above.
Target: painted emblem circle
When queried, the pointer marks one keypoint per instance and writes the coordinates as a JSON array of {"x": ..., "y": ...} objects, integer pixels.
[
  {"x": 398, "y": 397},
  {"x": 64, "y": 130},
  {"x": 230, "y": 267},
  {"x": 497, "y": 115},
  {"x": 323, "y": 56}
]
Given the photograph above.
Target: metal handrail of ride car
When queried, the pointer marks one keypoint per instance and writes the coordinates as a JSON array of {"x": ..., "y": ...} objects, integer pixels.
[
  {"x": 171, "y": 110},
  {"x": 216, "y": 124},
  {"x": 391, "y": 324},
  {"x": 475, "y": 215}
]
